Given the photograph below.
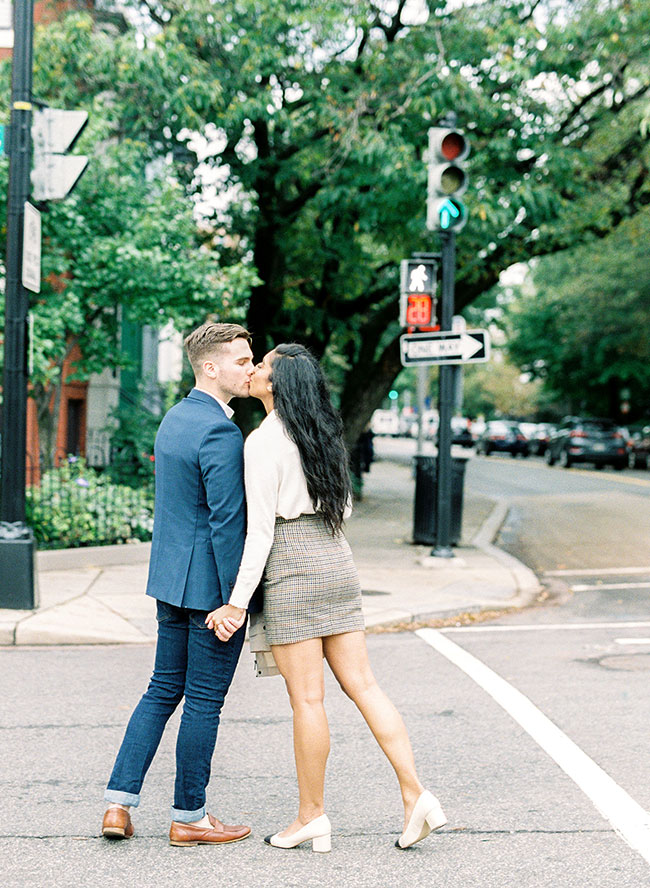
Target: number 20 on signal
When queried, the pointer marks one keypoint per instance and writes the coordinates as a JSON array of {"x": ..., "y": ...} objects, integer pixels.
[{"x": 419, "y": 311}]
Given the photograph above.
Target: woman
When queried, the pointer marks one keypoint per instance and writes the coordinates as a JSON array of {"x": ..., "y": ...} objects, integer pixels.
[{"x": 298, "y": 493}]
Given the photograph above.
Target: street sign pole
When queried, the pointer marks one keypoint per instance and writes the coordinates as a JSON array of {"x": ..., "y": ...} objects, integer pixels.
[
  {"x": 422, "y": 393},
  {"x": 443, "y": 548},
  {"x": 16, "y": 549}
]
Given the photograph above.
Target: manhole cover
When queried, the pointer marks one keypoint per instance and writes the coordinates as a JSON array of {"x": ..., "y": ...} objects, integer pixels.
[{"x": 627, "y": 663}]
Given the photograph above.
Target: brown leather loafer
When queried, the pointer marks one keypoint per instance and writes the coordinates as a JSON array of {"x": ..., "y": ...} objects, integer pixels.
[
  {"x": 117, "y": 824},
  {"x": 186, "y": 834}
]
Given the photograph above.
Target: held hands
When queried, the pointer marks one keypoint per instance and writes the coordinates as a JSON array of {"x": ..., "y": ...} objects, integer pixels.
[{"x": 225, "y": 621}]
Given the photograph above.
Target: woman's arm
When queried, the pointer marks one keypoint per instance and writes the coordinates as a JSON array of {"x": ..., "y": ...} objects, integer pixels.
[{"x": 262, "y": 480}]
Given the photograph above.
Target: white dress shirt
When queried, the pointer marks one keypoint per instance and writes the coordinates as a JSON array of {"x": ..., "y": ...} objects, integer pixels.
[
  {"x": 226, "y": 409},
  {"x": 275, "y": 486}
]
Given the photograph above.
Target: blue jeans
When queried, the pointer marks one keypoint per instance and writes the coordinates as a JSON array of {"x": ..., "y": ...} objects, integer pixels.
[{"x": 192, "y": 663}]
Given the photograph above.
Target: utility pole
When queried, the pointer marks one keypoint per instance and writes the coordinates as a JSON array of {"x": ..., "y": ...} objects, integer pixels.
[
  {"x": 17, "y": 587},
  {"x": 443, "y": 548},
  {"x": 446, "y": 213}
]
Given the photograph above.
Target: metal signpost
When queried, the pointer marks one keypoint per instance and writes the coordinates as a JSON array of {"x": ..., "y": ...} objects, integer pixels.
[
  {"x": 446, "y": 213},
  {"x": 17, "y": 587},
  {"x": 52, "y": 132},
  {"x": 431, "y": 340}
]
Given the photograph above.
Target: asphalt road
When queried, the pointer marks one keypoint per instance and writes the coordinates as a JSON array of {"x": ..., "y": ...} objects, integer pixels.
[
  {"x": 531, "y": 729},
  {"x": 515, "y": 817}
]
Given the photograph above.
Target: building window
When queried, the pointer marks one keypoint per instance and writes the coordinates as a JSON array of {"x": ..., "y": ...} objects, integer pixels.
[{"x": 74, "y": 425}]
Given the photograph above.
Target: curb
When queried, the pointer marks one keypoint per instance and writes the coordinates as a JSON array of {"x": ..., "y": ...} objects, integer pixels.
[
  {"x": 92, "y": 556},
  {"x": 526, "y": 581},
  {"x": 28, "y": 627}
]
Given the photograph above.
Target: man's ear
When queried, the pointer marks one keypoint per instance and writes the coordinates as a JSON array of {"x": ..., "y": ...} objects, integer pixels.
[{"x": 210, "y": 369}]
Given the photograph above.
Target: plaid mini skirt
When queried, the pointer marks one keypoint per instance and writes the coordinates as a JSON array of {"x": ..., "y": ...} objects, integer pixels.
[{"x": 311, "y": 586}]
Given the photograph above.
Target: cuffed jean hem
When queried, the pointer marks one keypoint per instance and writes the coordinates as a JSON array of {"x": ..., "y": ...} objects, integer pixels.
[
  {"x": 187, "y": 816},
  {"x": 121, "y": 798}
]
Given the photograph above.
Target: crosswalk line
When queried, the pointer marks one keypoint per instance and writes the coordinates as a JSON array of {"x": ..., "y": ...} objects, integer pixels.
[{"x": 630, "y": 821}]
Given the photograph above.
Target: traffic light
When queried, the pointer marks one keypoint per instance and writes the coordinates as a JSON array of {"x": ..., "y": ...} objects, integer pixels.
[
  {"x": 56, "y": 172},
  {"x": 448, "y": 148}
]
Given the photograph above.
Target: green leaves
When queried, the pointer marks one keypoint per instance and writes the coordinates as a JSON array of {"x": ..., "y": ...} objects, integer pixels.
[
  {"x": 314, "y": 116},
  {"x": 583, "y": 328}
]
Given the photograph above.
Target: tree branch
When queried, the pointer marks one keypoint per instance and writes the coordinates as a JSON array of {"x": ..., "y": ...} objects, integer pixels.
[
  {"x": 391, "y": 31},
  {"x": 575, "y": 111},
  {"x": 152, "y": 8}
]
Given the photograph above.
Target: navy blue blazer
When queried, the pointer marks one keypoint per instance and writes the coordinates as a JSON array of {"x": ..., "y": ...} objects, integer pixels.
[{"x": 200, "y": 513}]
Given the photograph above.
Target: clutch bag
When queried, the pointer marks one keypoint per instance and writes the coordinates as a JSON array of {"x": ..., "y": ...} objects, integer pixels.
[{"x": 260, "y": 648}]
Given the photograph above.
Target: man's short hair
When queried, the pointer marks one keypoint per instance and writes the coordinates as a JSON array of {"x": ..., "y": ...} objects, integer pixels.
[{"x": 206, "y": 341}]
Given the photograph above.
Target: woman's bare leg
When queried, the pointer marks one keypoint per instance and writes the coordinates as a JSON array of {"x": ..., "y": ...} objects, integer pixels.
[
  {"x": 347, "y": 656},
  {"x": 301, "y": 666}
]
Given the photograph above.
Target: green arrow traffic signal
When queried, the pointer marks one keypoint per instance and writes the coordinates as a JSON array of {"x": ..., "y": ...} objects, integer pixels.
[
  {"x": 449, "y": 214},
  {"x": 448, "y": 211}
]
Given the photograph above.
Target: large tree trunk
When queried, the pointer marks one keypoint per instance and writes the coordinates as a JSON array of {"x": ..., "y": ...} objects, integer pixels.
[{"x": 366, "y": 386}]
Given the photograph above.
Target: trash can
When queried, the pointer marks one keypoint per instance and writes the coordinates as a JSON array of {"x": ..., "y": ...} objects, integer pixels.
[
  {"x": 426, "y": 491},
  {"x": 18, "y": 589}
]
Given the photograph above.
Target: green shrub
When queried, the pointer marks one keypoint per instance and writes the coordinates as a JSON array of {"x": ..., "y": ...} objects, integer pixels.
[{"x": 75, "y": 505}]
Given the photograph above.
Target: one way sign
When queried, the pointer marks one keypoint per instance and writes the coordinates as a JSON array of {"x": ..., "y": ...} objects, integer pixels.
[{"x": 445, "y": 347}]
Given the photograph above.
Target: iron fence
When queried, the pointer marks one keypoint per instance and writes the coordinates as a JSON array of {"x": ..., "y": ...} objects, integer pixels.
[{"x": 70, "y": 503}]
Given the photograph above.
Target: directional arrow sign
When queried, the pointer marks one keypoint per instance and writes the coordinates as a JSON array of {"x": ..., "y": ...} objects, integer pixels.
[
  {"x": 54, "y": 132},
  {"x": 446, "y": 347}
]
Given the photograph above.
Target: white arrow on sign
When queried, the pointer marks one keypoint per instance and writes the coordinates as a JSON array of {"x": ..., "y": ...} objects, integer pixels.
[
  {"x": 54, "y": 132},
  {"x": 56, "y": 175},
  {"x": 469, "y": 346},
  {"x": 446, "y": 347}
]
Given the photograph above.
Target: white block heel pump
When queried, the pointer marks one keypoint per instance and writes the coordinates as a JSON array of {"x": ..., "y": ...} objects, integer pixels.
[
  {"x": 318, "y": 832},
  {"x": 427, "y": 816}
]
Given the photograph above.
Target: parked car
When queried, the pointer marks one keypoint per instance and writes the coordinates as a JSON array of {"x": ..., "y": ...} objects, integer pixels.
[
  {"x": 385, "y": 422},
  {"x": 430, "y": 425},
  {"x": 538, "y": 434},
  {"x": 407, "y": 423},
  {"x": 638, "y": 447},
  {"x": 502, "y": 436},
  {"x": 477, "y": 427},
  {"x": 581, "y": 439},
  {"x": 460, "y": 431},
  {"x": 539, "y": 442}
]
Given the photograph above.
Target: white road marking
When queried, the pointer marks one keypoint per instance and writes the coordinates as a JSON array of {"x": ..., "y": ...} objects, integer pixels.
[
  {"x": 597, "y": 571},
  {"x": 640, "y": 624},
  {"x": 632, "y": 640},
  {"x": 630, "y": 821},
  {"x": 586, "y": 587}
]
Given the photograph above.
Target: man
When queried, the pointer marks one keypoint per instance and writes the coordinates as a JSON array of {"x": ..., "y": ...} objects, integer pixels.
[{"x": 198, "y": 538}]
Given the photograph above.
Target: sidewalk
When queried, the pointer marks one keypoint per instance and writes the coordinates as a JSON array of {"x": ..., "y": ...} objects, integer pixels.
[{"x": 96, "y": 596}]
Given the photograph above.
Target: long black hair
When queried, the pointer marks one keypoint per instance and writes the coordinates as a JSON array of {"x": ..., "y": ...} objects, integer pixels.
[{"x": 302, "y": 401}]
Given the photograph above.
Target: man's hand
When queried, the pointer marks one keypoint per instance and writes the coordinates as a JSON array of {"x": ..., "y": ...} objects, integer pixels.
[{"x": 225, "y": 621}]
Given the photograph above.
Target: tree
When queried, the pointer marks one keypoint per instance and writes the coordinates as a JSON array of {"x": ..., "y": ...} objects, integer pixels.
[
  {"x": 314, "y": 117},
  {"x": 125, "y": 244},
  {"x": 582, "y": 326},
  {"x": 320, "y": 127},
  {"x": 498, "y": 388}
]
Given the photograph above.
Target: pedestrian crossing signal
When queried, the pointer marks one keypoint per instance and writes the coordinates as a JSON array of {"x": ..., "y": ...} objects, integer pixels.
[{"x": 419, "y": 310}]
